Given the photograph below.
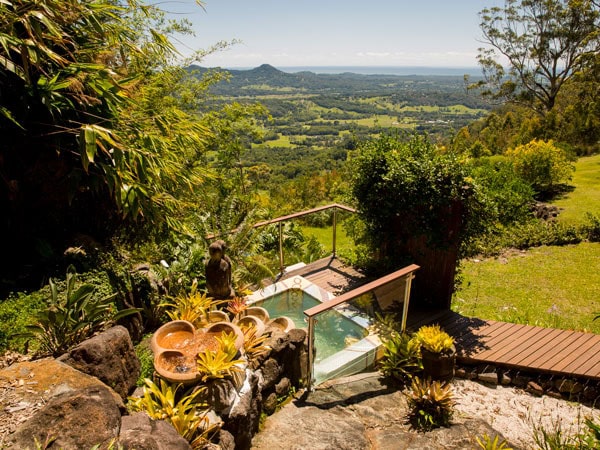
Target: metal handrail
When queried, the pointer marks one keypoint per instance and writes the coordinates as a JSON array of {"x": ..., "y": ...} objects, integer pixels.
[
  {"x": 406, "y": 272},
  {"x": 281, "y": 219}
]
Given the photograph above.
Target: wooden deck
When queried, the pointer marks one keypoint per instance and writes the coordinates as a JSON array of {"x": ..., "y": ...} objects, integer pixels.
[
  {"x": 330, "y": 274},
  {"x": 521, "y": 347}
]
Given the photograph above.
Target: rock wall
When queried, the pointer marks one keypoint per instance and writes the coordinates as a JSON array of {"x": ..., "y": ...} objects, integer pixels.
[{"x": 76, "y": 401}]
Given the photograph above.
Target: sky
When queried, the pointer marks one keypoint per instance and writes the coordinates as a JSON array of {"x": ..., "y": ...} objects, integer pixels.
[{"x": 292, "y": 33}]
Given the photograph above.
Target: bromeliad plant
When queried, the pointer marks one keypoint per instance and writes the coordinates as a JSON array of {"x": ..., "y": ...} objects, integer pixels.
[
  {"x": 193, "y": 307},
  {"x": 220, "y": 363},
  {"x": 433, "y": 339},
  {"x": 76, "y": 316},
  {"x": 401, "y": 358},
  {"x": 186, "y": 412},
  {"x": 431, "y": 404}
]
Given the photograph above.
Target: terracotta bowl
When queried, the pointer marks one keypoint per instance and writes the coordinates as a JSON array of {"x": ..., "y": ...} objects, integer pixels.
[
  {"x": 258, "y": 311},
  {"x": 283, "y": 323},
  {"x": 174, "y": 366},
  {"x": 218, "y": 328},
  {"x": 217, "y": 316},
  {"x": 172, "y": 336},
  {"x": 252, "y": 321}
]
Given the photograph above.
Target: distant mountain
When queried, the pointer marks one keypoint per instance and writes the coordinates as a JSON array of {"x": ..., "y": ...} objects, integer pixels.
[{"x": 267, "y": 79}]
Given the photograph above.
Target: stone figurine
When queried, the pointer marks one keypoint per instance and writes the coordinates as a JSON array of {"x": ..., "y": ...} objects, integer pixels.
[{"x": 218, "y": 272}]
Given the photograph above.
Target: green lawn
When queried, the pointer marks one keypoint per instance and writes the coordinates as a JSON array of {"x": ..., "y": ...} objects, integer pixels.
[
  {"x": 546, "y": 286},
  {"x": 344, "y": 244},
  {"x": 586, "y": 195}
]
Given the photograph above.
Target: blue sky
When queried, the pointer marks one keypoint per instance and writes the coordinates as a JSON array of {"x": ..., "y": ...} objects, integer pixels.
[{"x": 284, "y": 33}]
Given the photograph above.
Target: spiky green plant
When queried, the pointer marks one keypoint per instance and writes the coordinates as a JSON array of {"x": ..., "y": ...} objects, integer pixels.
[
  {"x": 193, "y": 307},
  {"x": 186, "y": 412},
  {"x": 72, "y": 317},
  {"x": 401, "y": 357},
  {"x": 434, "y": 339},
  {"x": 431, "y": 404},
  {"x": 487, "y": 443},
  {"x": 253, "y": 345}
]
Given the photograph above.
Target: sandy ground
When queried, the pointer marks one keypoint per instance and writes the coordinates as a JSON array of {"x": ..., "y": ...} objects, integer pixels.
[{"x": 515, "y": 413}]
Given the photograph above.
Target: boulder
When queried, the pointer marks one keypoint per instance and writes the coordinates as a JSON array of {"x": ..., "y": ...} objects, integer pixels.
[
  {"x": 72, "y": 420},
  {"x": 110, "y": 357},
  {"x": 140, "y": 432},
  {"x": 27, "y": 386}
]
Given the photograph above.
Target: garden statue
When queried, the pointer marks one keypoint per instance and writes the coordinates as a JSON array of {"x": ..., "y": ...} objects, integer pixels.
[{"x": 218, "y": 272}]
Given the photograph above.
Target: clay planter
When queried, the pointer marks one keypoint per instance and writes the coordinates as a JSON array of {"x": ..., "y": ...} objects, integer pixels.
[
  {"x": 176, "y": 345},
  {"x": 258, "y": 311},
  {"x": 285, "y": 324},
  {"x": 439, "y": 366},
  {"x": 217, "y": 316},
  {"x": 252, "y": 321},
  {"x": 172, "y": 336}
]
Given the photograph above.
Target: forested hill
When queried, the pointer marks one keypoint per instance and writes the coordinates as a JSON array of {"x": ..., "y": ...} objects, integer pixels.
[{"x": 417, "y": 89}]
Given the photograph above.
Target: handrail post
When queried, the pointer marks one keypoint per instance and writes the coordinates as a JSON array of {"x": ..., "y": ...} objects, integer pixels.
[
  {"x": 409, "y": 279},
  {"x": 334, "y": 229},
  {"x": 280, "y": 247},
  {"x": 311, "y": 350}
]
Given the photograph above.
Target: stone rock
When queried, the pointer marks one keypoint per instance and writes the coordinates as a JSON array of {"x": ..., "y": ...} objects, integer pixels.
[
  {"x": 35, "y": 383},
  {"x": 297, "y": 336},
  {"x": 140, "y": 432},
  {"x": 359, "y": 412},
  {"x": 72, "y": 420},
  {"x": 219, "y": 394},
  {"x": 282, "y": 389},
  {"x": 270, "y": 403},
  {"x": 244, "y": 417},
  {"x": 226, "y": 440},
  {"x": 505, "y": 379},
  {"x": 566, "y": 386},
  {"x": 535, "y": 389},
  {"x": 521, "y": 381},
  {"x": 110, "y": 357},
  {"x": 278, "y": 340},
  {"x": 488, "y": 377},
  {"x": 271, "y": 371}
]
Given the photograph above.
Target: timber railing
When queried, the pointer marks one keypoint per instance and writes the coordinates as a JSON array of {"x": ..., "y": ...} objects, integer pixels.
[
  {"x": 394, "y": 287},
  {"x": 280, "y": 220}
]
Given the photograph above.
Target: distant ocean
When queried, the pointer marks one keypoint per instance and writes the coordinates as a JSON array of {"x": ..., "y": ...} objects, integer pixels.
[{"x": 385, "y": 70}]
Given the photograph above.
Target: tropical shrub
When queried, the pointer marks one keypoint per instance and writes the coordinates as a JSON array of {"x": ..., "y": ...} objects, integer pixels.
[
  {"x": 431, "y": 404},
  {"x": 186, "y": 412},
  {"x": 542, "y": 164},
  {"x": 508, "y": 195},
  {"x": 433, "y": 339},
  {"x": 77, "y": 316},
  {"x": 401, "y": 358},
  {"x": 254, "y": 346},
  {"x": 220, "y": 363},
  {"x": 556, "y": 439},
  {"x": 487, "y": 443},
  {"x": 193, "y": 307}
]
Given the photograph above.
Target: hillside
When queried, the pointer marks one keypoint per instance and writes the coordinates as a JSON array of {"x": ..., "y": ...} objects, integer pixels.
[{"x": 415, "y": 89}]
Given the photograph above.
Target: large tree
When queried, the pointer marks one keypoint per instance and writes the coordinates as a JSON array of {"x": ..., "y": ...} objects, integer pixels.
[
  {"x": 535, "y": 47},
  {"x": 98, "y": 124}
]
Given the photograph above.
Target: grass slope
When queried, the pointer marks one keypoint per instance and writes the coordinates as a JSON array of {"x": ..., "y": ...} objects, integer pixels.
[
  {"x": 586, "y": 195},
  {"x": 547, "y": 286}
]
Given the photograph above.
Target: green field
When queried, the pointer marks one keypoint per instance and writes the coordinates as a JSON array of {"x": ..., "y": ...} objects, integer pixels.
[
  {"x": 344, "y": 244},
  {"x": 586, "y": 196},
  {"x": 547, "y": 286}
]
